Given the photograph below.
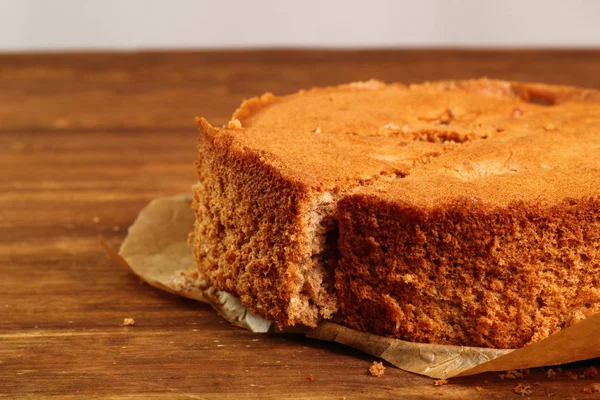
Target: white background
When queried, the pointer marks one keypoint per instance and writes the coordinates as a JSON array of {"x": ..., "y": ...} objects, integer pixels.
[{"x": 156, "y": 24}]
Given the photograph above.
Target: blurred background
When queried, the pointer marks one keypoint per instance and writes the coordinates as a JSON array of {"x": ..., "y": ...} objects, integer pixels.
[{"x": 34, "y": 25}]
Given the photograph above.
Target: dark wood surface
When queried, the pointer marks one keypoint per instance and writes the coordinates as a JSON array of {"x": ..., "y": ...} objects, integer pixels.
[{"x": 87, "y": 140}]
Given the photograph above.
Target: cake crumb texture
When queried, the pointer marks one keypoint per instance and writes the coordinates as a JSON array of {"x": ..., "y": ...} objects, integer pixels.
[
  {"x": 522, "y": 389},
  {"x": 593, "y": 388}
]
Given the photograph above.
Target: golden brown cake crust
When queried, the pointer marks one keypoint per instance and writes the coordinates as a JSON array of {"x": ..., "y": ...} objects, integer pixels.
[
  {"x": 332, "y": 137},
  {"x": 468, "y": 211}
]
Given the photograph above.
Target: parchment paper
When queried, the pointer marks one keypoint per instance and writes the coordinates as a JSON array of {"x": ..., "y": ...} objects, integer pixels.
[{"x": 156, "y": 250}]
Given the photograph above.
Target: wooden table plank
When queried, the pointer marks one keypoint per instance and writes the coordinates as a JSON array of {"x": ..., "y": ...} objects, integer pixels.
[
  {"x": 86, "y": 140},
  {"x": 166, "y": 90}
]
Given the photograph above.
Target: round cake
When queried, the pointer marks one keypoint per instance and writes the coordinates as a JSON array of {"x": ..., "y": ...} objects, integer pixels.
[{"x": 455, "y": 212}]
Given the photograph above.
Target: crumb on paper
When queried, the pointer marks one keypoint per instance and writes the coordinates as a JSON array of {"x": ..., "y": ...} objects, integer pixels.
[
  {"x": 318, "y": 130},
  {"x": 96, "y": 220},
  {"x": 128, "y": 322},
  {"x": 377, "y": 369},
  {"x": 522, "y": 389},
  {"x": 234, "y": 124},
  {"x": 571, "y": 375},
  {"x": 591, "y": 371},
  {"x": 479, "y": 388},
  {"x": 549, "y": 127},
  {"x": 440, "y": 382},
  {"x": 187, "y": 281},
  {"x": 550, "y": 373},
  {"x": 310, "y": 378},
  {"x": 593, "y": 388}
]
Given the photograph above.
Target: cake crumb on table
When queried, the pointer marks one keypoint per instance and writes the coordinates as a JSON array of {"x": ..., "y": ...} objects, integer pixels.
[
  {"x": 128, "y": 322},
  {"x": 550, "y": 373},
  {"x": 571, "y": 375},
  {"x": 377, "y": 369},
  {"x": 310, "y": 378},
  {"x": 440, "y": 382},
  {"x": 387, "y": 387},
  {"x": 522, "y": 389},
  {"x": 591, "y": 371},
  {"x": 593, "y": 388}
]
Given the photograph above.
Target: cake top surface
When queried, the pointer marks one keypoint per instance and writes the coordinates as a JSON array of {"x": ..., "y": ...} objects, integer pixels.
[{"x": 484, "y": 140}]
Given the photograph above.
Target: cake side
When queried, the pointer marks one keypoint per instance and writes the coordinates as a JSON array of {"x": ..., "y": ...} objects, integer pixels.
[
  {"x": 466, "y": 273},
  {"x": 257, "y": 234}
]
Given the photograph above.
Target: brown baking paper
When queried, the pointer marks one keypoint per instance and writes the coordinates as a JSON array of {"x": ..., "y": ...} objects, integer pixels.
[{"x": 156, "y": 250}]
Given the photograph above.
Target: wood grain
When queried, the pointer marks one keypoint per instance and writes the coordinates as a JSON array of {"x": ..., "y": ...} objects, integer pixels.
[{"x": 86, "y": 140}]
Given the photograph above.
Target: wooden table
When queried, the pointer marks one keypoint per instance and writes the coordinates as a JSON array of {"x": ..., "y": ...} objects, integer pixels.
[{"x": 87, "y": 140}]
